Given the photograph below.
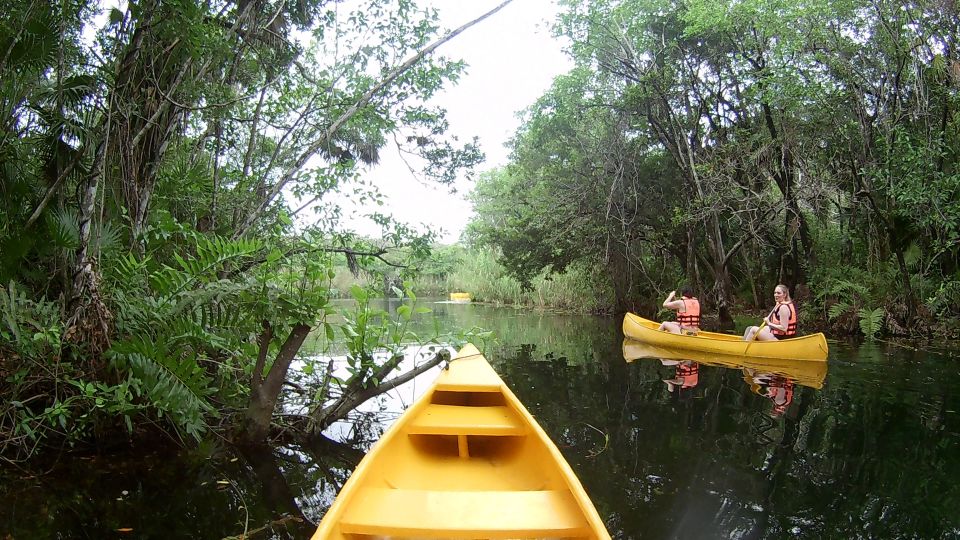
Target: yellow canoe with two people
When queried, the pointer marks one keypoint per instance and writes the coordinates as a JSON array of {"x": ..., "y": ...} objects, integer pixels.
[
  {"x": 810, "y": 373},
  {"x": 811, "y": 347},
  {"x": 465, "y": 461}
]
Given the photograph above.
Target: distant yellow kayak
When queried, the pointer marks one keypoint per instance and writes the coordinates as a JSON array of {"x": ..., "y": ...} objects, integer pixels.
[
  {"x": 809, "y": 373},
  {"x": 812, "y": 347},
  {"x": 460, "y": 297},
  {"x": 465, "y": 461}
]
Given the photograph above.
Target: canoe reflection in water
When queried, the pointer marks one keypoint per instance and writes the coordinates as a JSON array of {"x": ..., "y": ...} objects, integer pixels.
[
  {"x": 810, "y": 373},
  {"x": 767, "y": 377}
]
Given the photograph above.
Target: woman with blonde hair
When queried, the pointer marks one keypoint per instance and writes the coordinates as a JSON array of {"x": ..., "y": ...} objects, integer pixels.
[{"x": 781, "y": 323}]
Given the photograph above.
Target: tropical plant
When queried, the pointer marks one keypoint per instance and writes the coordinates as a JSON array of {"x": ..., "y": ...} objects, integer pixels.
[{"x": 871, "y": 322}]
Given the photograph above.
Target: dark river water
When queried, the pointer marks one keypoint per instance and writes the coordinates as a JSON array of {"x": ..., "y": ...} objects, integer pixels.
[{"x": 666, "y": 448}]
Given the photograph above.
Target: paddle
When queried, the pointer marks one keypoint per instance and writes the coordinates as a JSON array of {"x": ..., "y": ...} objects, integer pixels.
[{"x": 757, "y": 333}]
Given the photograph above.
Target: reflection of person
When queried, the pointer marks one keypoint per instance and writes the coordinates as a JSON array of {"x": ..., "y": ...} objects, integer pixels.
[
  {"x": 686, "y": 376},
  {"x": 781, "y": 323},
  {"x": 688, "y": 313},
  {"x": 777, "y": 388},
  {"x": 781, "y": 393}
]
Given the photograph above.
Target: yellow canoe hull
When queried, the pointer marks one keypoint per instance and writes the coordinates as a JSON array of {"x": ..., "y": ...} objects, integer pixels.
[
  {"x": 465, "y": 461},
  {"x": 460, "y": 297},
  {"x": 812, "y": 347},
  {"x": 809, "y": 373}
]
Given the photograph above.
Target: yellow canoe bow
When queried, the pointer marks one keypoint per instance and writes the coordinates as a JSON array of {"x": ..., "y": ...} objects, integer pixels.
[
  {"x": 811, "y": 373},
  {"x": 465, "y": 461},
  {"x": 811, "y": 347}
]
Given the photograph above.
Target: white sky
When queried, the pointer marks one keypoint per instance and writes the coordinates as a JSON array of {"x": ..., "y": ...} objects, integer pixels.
[{"x": 511, "y": 60}]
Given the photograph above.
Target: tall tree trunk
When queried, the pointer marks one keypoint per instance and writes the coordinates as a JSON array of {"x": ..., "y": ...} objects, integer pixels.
[
  {"x": 794, "y": 220},
  {"x": 88, "y": 323}
]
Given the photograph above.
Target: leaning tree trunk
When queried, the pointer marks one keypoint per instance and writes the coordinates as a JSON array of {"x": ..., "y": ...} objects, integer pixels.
[
  {"x": 359, "y": 390},
  {"x": 264, "y": 392}
]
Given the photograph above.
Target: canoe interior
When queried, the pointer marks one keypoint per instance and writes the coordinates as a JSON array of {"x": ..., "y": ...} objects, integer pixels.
[
  {"x": 466, "y": 461},
  {"x": 431, "y": 460}
]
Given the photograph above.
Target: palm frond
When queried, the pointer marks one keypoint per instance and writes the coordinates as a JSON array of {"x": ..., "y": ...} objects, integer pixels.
[{"x": 64, "y": 226}]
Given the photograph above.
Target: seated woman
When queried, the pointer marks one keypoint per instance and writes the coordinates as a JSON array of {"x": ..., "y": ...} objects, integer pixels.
[
  {"x": 688, "y": 313},
  {"x": 781, "y": 323}
]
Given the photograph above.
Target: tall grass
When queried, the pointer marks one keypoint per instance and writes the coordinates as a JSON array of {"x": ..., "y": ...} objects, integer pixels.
[{"x": 580, "y": 288}]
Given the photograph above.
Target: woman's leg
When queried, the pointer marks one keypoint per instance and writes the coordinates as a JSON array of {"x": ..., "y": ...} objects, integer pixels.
[
  {"x": 670, "y": 326},
  {"x": 766, "y": 335}
]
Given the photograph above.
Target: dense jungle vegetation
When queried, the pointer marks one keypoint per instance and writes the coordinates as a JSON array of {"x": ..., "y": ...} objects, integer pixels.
[
  {"x": 153, "y": 160},
  {"x": 736, "y": 145},
  {"x": 158, "y": 160}
]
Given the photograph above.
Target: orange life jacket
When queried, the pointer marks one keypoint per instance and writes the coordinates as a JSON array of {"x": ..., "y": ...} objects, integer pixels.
[
  {"x": 690, "y": 317},
  {"x": 791, "y": 323},
  {"x": 689, "y": 374}
]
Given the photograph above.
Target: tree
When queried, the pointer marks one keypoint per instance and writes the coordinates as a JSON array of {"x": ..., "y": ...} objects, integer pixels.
[{"x": 187, "y": 129}]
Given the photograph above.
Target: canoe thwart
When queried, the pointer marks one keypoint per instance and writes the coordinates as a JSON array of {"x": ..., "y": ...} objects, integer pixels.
[
  {"x": 465, "y": 514},
  {"x": 459, "y": 420}
]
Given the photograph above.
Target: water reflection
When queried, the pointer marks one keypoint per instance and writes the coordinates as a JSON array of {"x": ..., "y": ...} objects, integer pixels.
[
  {"x": 777, "y": 388},
  {"x": 810, "y": 373},
  {"x": 770, "y": 378},
  {"x": 686, "y": 375},
  {"x": 868, "y": 452}
]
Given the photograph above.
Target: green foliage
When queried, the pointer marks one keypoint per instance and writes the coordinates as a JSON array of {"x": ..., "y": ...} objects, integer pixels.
[
  {"x": 779, "y": 147},
  {"x": 846, "y": 292},
  {"x": 945, "y": 301},
  {"x": 172, "y": 385},
  {"x": 31, "y": 328},
  {"x": 47, "y": 401},
  {"x": 838, "y": 309},
  {"x": 375, "y": 340},
  {"x": 179, "y": 323},
  {"x": 871, "y": 321}
]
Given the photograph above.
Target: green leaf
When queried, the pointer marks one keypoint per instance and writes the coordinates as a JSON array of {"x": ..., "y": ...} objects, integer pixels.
[
  {"x": 116, "y": 17},
  {"x": 837, "y": 310},
  {"x": 871, "y": 322},
  {"x": 358, "y": 293}
]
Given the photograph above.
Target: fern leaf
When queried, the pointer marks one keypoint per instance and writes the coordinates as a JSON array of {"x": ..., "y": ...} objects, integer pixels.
[
  {"x": 871, "y": 322},
  {"x": 837, "y": 310},
  {"x": 174, "y": 385}
]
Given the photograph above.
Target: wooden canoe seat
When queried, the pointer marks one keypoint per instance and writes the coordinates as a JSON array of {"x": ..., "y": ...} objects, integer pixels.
[
  {"x": 462, "y": 420},
  {"x": 464, "y": 514}
]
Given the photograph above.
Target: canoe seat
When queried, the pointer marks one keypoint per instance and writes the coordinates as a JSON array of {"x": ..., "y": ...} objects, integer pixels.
[
  {"x": 463, "y": 420},
  {"x": 464, "y": 514}
]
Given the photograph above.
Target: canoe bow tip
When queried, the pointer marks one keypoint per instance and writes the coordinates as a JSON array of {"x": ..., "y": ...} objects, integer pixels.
[{"x": 467, "y": 350}]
